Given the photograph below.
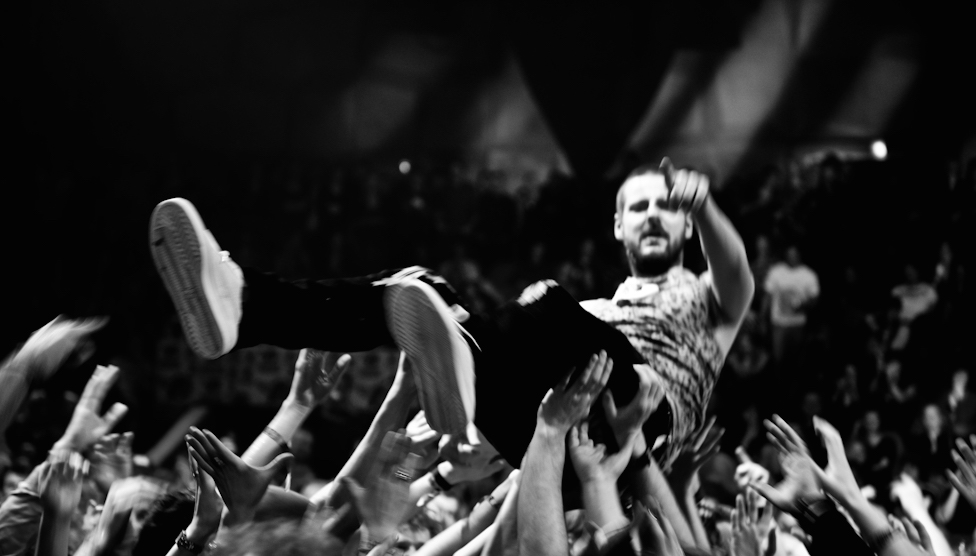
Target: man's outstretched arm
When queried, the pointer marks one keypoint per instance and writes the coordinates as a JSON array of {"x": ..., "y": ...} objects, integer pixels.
[{"x": 732, "y": 281}]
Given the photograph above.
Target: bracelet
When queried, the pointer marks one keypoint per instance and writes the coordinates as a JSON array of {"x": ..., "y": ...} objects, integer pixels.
[
  {"x": 878, "y": 541},
  {"x": 279, "y": 440},
  {"x": 441, "y": 483},
  {"x": 186, "y": 544}
]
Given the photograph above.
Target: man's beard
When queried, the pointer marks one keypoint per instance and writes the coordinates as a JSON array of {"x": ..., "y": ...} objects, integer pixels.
[{"x": 656, "y": 265}]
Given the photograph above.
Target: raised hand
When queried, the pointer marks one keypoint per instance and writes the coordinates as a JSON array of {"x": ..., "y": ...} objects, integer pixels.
[
  {"x": 686, "y": 466},
  {"x": 207, "y": 506},
  {"x": 465, "y": 462},
  {"x": 316, "y": 373},
  {"x": 748, "y": 471},
  {"x": 689, "y": 189},
  {"x": 800, "y": 481},
  {"x": 50, "y": 346},
  {"x": 784, "y": 438},
  {"x": 241, "y": 485},
  {"x": 917, "y": 534},
  {"x": 657, "y": 536},
  {"x": 629, "y": 419},
  {"x": 60, "y": 484},
  {"x": 750, "y": 525},
  {"x": 86, "y": 425},
  {"x": 907, "y": 492},
  {"x": 837, "y": 479},
  {"x": 565, "y": 405},
  {"x": 111, "y": 459},
  {"x": 965, "y": 479},
  {"x": 384, "y": 502},
  {"x": 591, "y": 461},
  {"x": 423, "y": 439}
]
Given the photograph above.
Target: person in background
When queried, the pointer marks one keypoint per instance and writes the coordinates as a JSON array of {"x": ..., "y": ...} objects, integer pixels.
[
  {"x": 915, "y": 299},
  {"x": 960, "y": 405},
  {"x": 792, "y": 288},
  {"x": 930, "y": 451}
]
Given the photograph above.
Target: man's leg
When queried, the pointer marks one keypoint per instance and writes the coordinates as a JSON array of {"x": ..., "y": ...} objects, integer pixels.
[{"x": 222, "y": 307}]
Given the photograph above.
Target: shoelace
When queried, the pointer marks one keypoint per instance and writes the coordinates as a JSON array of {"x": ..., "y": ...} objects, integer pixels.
[{"x": 468, "y": 334}]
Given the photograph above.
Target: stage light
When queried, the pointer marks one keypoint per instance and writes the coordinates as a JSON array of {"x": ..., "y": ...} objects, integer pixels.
[
  {"x": 404, "y": 167},
  {"x": 879, "y": 150}
]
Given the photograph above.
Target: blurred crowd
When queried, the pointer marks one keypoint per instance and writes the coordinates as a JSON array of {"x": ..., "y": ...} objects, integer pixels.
[{"x": 859, "y": 327}]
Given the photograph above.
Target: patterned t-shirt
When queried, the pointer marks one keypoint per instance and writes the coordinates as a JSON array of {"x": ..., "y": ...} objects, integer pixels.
[{"x": 671, "y": 321}]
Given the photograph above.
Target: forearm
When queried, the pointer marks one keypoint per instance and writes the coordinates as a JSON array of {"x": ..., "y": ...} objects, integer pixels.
[
  {"x": 464, "y": 533},
  {"x": 602, "y": 504},
  {"x": 391, "y": 416},
  {"x": 52, "y": 539},
  {"x": 727, "y": 260},
  {"x": 14, "y": 387},
  {"x": 940, "y": 545},
  {"x": 690, "y": 508},
  {"x": 475, "y": 547},
  {"x": 285, "y": 424},
  {"x": 195, "y": 535},
  {"x": 20, "y": 515},
  {"x": 541, "y": 524},
  {"x": 652, "y": 488}
]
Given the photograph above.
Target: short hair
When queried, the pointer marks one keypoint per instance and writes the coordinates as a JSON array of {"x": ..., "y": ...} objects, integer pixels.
[
  {"x": 281, "y": 537},
  {"x": 171, "y": 513},
  {"x": 642, "y": 170}
]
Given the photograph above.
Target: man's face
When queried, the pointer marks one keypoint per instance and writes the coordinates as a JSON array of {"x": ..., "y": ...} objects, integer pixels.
[{"x": 653, "y": 235}]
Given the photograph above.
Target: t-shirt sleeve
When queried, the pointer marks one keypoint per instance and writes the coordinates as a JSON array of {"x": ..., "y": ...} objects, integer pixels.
[{"x": 771, "y": 280}]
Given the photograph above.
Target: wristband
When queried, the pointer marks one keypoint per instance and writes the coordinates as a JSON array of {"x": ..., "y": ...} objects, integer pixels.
[
  {"x": 186, "y": 544},
  {"x": 440, "y": 482},
  {"x": 279, "y": 440}
]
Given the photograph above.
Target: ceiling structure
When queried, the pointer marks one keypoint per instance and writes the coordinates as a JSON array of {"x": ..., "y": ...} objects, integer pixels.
[{"x": 722, "y": 84}]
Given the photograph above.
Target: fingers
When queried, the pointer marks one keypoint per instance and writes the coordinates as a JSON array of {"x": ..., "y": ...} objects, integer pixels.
[
  {"x": 574, "y": 437},
  {"x": 910, "y": 530},
  {"x": 739, "y": 513},
  {"x": 771, "y": 494},
  {"x": 923, "y": 536},
  {"x": 202, "y": 462},
  {"x": 740, "y": 453},
  {"x": 609, "y": 406},
  {"x": 202, "y": 444},
  {"x": 114, "y": 415},
  {"x": 277, "y": 465},
  {"x": 98, "y": 386},
  {"x": 584, "y": 431},
  {"x": 700, "y": 440},
  {"x": 667, "y": 168},
  {"x": 219, "y": 449},
  {"x": 966, "y": 452},
  {"x": 752, "y": 506},
  {"x": 966, "y": 472},
  {"x": 125, "y": 444}
]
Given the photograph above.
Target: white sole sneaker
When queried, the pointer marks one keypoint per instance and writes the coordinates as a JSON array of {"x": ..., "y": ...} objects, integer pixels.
[
  {"x": 443, "y": 367},
  {"x": 204, "y": 284}
]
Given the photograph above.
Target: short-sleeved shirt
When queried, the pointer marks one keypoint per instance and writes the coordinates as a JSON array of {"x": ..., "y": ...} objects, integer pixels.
[
  {"x": 788, "y": 288},
  {"x": 671, "y": 320}
]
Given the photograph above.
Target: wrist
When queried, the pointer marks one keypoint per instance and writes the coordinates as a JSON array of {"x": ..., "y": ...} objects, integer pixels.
[
  {"x": 551, "y": 432},
  {"x": 199, "y": 533}
]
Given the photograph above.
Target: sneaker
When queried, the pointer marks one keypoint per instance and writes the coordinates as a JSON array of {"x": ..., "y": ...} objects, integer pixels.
[
  {"x": 204, "y": 283},
  {"x": 422, "y": 326}
]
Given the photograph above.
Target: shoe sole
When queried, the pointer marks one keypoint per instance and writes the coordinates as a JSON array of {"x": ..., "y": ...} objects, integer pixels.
[
  {"x": 175, "y": 229},
  {"x": 420, "y": 323}
]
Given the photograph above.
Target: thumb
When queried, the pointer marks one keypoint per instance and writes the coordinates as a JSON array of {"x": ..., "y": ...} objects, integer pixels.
[
  {"x": 280, "y": 463},
  {"x": 609, "y": 406},
  {"x": 740, "y": 453},
  {"x": 667, "y": 168},
  {"x": 772, "y": 495}
]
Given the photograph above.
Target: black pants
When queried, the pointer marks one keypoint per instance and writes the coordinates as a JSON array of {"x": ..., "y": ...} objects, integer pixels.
[{"x": 522, "y": 350}]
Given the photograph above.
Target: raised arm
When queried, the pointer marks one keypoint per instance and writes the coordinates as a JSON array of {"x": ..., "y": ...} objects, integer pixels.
[
  {"x": 541, "y": 521},
  {"x": 316, "y": 373},
  {"x": 732, "y": 280},
  {"x": 390, "y": 417}
]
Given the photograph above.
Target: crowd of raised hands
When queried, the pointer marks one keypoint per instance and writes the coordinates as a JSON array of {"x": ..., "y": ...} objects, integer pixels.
[{"x": 572, "y": 494}]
